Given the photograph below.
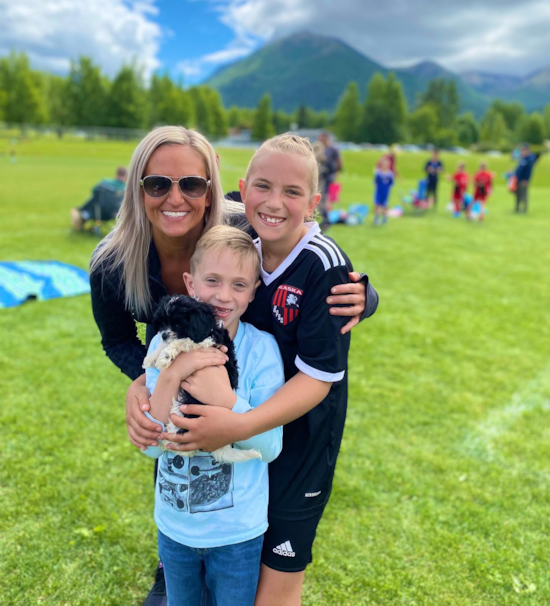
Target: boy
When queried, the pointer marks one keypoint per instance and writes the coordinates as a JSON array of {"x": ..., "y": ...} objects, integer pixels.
[
  {"x": 460, "y": 179},
  {"x": 483, "y": 183},
  {"x": 383, "y": 181},
  {"x": 211, "y": 517}
]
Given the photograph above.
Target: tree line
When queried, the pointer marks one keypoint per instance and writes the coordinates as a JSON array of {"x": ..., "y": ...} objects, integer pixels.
[{"x": 88, "y": 98}]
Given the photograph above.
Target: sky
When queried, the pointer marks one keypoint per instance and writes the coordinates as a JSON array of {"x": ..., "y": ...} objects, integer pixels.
[{"x": 193, "y": 38}]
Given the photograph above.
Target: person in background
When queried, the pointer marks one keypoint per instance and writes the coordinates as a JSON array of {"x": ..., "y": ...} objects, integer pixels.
[
  {"x": 391, "y": 157},
  {"x": 383, "y": 181},
  {"x": 524, "y": 170},
  {"x": 104, "y": 203},
  {"x": 460, "y": 179},
  {"x": 433, "y": 169},
  {"x": 329, "y": 167},
  {"x": 483, "y": 184}
]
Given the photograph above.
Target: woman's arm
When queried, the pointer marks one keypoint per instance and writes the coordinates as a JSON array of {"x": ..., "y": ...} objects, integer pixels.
[{"x": 116, "y": 324}]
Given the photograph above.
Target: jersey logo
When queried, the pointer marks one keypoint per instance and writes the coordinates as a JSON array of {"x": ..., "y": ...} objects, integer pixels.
[{"x": 286, "y": 303}]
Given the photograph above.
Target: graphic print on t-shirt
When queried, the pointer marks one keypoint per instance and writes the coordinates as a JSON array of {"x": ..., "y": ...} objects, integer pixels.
[
  {"x": 196, "y": 484},
  {"x": 286, "y": 303}
]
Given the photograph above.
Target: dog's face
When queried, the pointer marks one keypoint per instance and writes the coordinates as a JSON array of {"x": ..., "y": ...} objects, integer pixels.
[{"x": 181, "y": 317}]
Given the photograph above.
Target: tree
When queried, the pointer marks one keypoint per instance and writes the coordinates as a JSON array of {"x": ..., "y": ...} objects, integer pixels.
[
  {"x": 204, "y": 121},
  {"x": 443, "y": 95},
  {"x": 531, "y": 129},
  {"x": 467, "y": 129},
  {"x": 281, "y": 122},
  {"x": 384, "y": 115},
  {"x": 216, "y": 111},
  {"x": 423, "y": 124},
  {"x": 348, "y": 114},
  {"x": 547, "y": 121},
  {"x": 263, "y": 122},
  {"x": 58, "y": 109},
  {"x": 22, "y": 99},
  {"x": 511, "y": 112},
  {"x": 169, "y": 102},
  {"x": 126, "y": 101},
  {"x": 87, "y": 91},
  {"x": 493, "y": 128}
]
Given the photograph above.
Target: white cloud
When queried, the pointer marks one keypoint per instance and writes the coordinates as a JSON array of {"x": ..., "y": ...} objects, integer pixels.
[
  {"x": 501, "y": 35},
  {"x": 52, "y": 32}
]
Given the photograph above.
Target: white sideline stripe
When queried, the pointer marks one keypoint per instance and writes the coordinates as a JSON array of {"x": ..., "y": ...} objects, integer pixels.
[
  {"x": 320, "y": 254},
  {"x": 328, "y": 377},
  {"x": 534, "y": 396}
]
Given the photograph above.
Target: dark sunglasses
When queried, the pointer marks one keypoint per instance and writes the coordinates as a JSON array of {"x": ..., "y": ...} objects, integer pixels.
[{"x": 157, "y": 186}]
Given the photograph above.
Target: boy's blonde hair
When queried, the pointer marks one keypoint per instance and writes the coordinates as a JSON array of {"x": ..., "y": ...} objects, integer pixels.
[
  {"x": 288, "y": 143},
  {"x": 223, "y": 237}
]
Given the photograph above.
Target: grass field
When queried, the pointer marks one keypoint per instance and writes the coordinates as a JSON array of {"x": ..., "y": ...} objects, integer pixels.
[{"x": 442, "y": 493}]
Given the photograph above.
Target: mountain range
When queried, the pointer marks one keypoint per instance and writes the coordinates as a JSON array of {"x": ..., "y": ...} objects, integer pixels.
[{"x": 314, "y": 70}]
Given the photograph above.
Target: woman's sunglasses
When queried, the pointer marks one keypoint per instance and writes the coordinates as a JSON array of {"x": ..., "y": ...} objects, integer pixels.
[{"x": 157, "y": 186}]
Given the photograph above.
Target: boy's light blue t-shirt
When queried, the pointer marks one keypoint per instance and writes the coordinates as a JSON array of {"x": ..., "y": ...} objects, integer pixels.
[{"x": 202, "y": 503}]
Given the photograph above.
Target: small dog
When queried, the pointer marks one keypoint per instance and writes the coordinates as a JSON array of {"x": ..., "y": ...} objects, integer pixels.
[{"x": 186, "y": 324}]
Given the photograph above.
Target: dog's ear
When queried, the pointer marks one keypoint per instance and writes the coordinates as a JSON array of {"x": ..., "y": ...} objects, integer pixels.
[
  {"x": 221, "y": 336},
  {"x": 160, "y": 316},
  {"x": 201, "y": 322}
]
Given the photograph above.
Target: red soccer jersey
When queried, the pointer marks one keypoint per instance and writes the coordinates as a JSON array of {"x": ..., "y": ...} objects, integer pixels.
[
  {"x": 461, "y": 183},
  {"x": 483, "y": 181}
]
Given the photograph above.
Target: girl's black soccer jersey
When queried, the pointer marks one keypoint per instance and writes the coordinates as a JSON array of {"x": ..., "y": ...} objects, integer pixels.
[{"x": 290, "y": 303}]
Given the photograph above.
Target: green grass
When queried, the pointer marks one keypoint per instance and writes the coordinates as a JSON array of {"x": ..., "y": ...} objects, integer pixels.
[{"x": 442, "y": 492}]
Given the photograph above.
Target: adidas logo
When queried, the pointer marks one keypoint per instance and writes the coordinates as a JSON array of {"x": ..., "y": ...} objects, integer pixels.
[{"x": 285, "y": 549}]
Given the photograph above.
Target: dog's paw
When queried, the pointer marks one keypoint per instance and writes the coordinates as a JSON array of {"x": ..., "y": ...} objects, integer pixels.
[{"x": 227, "y": 454}]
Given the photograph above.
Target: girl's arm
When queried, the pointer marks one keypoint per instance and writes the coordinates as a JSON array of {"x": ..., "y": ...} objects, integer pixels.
[
  {"x": 263, "y": 375},
  {"x": 321, "y": 360},
  {"x": 216, "y": 426}
]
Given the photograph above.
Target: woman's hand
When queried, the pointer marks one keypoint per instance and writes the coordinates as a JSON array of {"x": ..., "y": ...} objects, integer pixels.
[
  {"x": 190, "y": 362},
  {"x": 214, "y": 427},
  {"x": 141, "y": 430},
  {"x": 353, "y": 295},
  {"x": 211, "y": 386}
]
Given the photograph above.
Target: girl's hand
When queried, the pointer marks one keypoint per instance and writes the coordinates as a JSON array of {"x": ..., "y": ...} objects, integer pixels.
[
  {"x": 354, "y": 295},
  {"x": 190, "y": 362},
  {"x": 213, "y": 428},
  {"x": 211, "y": 386},
  {"x": 141, "y": 430}
]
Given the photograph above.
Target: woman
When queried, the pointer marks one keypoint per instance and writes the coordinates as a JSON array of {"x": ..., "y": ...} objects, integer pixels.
[{"x": 173, "y": 196}]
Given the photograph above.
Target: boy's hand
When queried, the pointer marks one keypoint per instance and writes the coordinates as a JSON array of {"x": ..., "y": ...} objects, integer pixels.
[
  {"x": 213, "y": 428},
  {"x": 190, "y": 362},
  {"x": 354, "y": 295},
  {"x": 211, "y": 386},
  {"x": 141, "y": 430}
]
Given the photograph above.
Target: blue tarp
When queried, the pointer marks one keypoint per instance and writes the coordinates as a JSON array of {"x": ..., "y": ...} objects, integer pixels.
[{"x": 24, "y": 280}]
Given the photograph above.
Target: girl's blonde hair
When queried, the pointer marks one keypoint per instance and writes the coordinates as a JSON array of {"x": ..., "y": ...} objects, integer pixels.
[
  {"x": 224, "y": 237},
  {"x": 288, "y": 143},
  {"x": 127, "y": 246}
]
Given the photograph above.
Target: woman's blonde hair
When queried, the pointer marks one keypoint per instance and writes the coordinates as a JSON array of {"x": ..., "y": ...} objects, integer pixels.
[
  {"x": 127, "y": 246},
  {"x": 224, "y": 237},
  {"x": 288, "y": 143}
]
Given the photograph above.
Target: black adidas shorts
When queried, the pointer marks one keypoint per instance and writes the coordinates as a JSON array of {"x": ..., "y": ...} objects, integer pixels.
[{"x": 288, "y": 543}]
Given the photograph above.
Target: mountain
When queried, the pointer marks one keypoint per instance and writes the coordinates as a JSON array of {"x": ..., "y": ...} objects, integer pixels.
[
  {"x": 533, "y": 90},
  {"x": 315, "y": 70}
]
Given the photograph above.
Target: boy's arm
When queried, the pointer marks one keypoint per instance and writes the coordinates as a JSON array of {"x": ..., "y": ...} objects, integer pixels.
[{"x": 268, "y": 378}]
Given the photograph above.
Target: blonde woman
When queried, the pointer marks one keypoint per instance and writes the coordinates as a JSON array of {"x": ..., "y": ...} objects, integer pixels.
[{"x": 173, "y": 196}]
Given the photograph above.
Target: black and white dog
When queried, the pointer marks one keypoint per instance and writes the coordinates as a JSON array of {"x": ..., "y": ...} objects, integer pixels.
[{"x": 186, "y": 324}]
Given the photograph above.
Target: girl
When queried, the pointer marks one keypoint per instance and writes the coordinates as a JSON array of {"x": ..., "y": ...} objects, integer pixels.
[{"x": 299, "y": 265}]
